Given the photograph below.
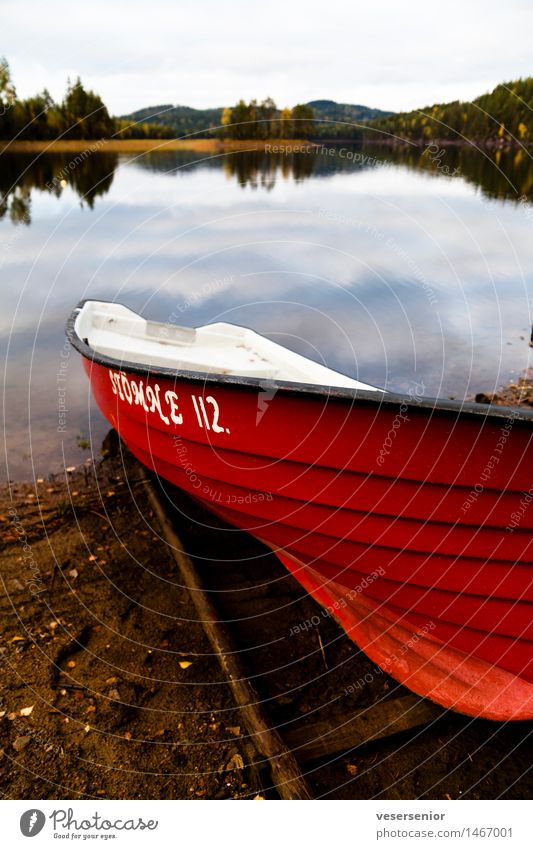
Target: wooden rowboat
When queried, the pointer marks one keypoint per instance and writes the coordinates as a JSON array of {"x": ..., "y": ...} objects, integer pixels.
[{"x": 410, "y": 519}]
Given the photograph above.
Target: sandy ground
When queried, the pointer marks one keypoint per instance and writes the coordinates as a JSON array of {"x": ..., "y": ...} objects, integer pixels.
[{"x": 110, "y": 659}]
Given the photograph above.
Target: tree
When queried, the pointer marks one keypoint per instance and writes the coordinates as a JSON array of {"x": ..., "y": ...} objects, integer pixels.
[
  {"x": 285, "y": 124},
  {"x": 302, "y": 117},
  {"x": 8, "y": 94},
  {"x": 266, "y": 113},
  {"x": 86, "y": 116}
]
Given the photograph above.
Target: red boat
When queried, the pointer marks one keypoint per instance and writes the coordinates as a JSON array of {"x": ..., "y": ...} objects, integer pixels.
[{"x": 409, "y": 519}]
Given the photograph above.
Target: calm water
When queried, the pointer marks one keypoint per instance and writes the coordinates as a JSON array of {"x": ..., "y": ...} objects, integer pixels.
[{"x": 386, "y": 269}]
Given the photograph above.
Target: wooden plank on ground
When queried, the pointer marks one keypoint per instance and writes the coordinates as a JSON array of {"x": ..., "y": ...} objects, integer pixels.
[{"x": 289, "y": 781}]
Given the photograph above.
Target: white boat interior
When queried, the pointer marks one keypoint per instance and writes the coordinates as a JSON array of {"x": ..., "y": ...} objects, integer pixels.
[{"x": 114, "y": 330}]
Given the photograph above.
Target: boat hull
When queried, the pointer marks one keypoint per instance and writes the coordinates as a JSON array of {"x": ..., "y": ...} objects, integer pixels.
[{"x": 410, "y": 525}]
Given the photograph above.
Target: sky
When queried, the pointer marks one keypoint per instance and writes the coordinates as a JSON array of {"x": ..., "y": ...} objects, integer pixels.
[{"x": 381, "y": 53}]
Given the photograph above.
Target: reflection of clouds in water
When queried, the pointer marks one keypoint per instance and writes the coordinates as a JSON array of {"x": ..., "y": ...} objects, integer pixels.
[{"x": 356, "y": 266}]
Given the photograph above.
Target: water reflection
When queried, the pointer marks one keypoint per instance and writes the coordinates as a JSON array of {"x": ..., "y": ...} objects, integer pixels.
[
  {"x": 367, "y": 259},
  {"x": 89, "y": 177},
  {"x": 498, "y": 174},
  {"x": 504, "y": 174}
]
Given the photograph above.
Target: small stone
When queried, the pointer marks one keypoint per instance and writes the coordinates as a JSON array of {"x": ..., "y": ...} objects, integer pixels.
[
  {"x": 115, "y": 695},
  {"x": 21, "y": 743},
  {"x": 235, "y": 763},
  {"x": 73, "y": 573}
]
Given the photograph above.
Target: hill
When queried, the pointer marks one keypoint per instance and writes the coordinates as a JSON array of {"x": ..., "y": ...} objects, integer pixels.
[
  {"x": 501, "y": 118},
  {"x": 184, "y": 120},
  {"x": 329, "y": 110}
]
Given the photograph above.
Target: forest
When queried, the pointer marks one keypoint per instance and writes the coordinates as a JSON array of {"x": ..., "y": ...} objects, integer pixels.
[
  {"x": 80, "y": 115},
  {"x": 501, "y": 118}
]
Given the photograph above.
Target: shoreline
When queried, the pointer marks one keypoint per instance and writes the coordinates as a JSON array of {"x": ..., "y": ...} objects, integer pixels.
[{"x": 216, "y": 146}]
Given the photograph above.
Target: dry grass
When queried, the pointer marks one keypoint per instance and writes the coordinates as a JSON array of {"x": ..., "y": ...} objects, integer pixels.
[{"x": 145, "y": 145}]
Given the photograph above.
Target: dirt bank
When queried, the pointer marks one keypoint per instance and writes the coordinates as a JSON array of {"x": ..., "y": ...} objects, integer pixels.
[{"x": 206, "y": 146}]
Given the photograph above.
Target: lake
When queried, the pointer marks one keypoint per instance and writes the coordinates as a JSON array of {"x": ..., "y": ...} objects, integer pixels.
[{"x": 376, "y": 262}]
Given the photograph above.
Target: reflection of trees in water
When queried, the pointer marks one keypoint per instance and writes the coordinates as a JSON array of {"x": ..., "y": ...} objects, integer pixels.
[
  {"x": 499, "y": 174},
  {"x": 253, "y": 168},
  {"x": 260, "y": 170},
  {"x": 90, "y": 177}
]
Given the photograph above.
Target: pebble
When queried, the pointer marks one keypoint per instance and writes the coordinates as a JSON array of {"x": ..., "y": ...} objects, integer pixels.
[{"x": 21, "y": 743}]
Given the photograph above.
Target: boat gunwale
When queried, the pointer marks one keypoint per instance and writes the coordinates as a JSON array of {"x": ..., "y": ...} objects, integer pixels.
[{"x": 312, "y": 390}]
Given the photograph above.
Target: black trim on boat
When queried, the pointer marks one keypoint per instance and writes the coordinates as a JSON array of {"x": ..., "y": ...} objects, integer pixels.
[{"x": 486, "y": 411}]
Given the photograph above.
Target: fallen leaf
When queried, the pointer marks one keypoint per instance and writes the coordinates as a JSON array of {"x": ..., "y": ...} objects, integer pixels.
[
  {"x": 352, "y": 769},
  {"x": 26, "y": 711},
  {"x": 234, "y": 729},
  {"x": 185, "y": 664}
]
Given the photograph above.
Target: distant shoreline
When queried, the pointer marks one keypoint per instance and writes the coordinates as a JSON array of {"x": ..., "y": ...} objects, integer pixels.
[
  {"x": 216, "y": 146},
  {"x": 148, "y": 145}
]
